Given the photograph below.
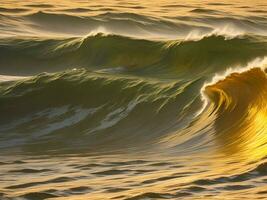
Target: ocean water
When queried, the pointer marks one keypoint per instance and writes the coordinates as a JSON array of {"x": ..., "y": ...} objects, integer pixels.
[{"x": 133, "y": 100}]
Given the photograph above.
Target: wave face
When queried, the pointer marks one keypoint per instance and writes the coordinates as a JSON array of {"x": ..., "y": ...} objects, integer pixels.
[
  {"x": 108, "y": 100},
  {"x": 240, "y": 104},
  {"x": 212, "y": 53}
]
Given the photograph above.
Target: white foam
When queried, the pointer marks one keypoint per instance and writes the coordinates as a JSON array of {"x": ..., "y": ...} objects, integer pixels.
[
  {"x": 114, "y": 117},
  {"x": 229, "y": 31},
  {"x": 5, "y": 78},
  {"x": 98, "y": 30},
  {"x": 53, "y": 115},
  {"x": 257, "y": 63},
  {"x": 78, "y": 115}
]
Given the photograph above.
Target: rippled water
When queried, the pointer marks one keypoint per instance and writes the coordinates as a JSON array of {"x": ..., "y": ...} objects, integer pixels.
[{"x": 133, "y": 100}]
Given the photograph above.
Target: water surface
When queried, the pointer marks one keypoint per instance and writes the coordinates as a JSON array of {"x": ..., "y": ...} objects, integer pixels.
[{"x": 133, "y": 100}]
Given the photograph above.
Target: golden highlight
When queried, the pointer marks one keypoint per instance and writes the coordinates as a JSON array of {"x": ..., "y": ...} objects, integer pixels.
[{"x": 240, "y": 104}]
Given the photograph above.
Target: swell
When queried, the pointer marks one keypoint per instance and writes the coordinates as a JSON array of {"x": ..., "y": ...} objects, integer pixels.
[
  {"x": 77, "y": 21},
  {"x": 79, "y": 109},
  {"x": 124, "y": 23},
  {"x": 210, "y": 54}
]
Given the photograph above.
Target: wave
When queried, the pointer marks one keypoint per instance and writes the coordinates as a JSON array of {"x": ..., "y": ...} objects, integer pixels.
[
  {"x": 123, "y": 23},
  {"x": 239, "y": 102},
  {"x": 41, "y": 5},
  {"x": 78, "y": 22},
  {"x": 145, "y": 26},
  {"x": 207, "y": 11},
  {"x": 210, "y": 54},
  {"x": 12, "y": 10},
  {"x": 89, "y": 110},
  {"x": 100, "y": 91},
  {"x": 233, "y": 120},
  {"x": 80, "y": 105}
]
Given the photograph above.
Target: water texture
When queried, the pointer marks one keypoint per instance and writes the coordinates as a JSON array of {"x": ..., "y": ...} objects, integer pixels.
[{"x": 133, "y": 100}]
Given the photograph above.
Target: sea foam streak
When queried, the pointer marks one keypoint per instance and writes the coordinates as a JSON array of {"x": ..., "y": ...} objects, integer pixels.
[{"x": 4, "y": 78}]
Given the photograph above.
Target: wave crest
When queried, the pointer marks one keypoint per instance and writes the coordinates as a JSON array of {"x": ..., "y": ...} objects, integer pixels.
[
  {"x": 175, "y": 58},
  {"x": 240, "y": 104}
]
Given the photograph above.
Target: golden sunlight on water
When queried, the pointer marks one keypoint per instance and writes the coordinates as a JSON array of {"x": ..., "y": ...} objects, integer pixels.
[
  {"x": 241, "y": 114},
  {"x": 133, "y": 100}
]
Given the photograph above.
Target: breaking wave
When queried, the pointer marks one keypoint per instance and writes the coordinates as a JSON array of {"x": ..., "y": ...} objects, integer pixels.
[{"x": 90, "y": 109}]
